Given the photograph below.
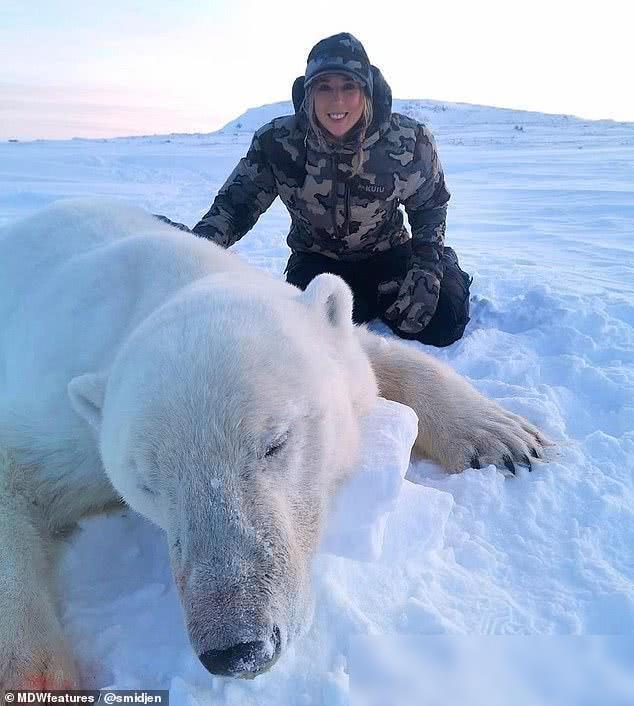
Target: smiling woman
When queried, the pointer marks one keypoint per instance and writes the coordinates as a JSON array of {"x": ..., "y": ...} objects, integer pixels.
[
  {"x": 338, "y": 104},
  {"x": 343, "y": 165}
]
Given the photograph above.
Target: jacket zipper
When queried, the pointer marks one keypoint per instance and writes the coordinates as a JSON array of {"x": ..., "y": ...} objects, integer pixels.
[
  {"x": 335, "y": 198},
  {"x": 346, "y": 223}
]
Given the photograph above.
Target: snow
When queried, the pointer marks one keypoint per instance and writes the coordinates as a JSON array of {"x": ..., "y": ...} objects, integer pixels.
[
  {"x": 456, "y": 587},
  {"x": 356, "y": 528}
]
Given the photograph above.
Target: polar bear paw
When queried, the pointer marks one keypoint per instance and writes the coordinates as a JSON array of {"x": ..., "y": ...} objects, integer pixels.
[
  {"x": 494, "y": 437},
  {"x": 41, "y": 668}
]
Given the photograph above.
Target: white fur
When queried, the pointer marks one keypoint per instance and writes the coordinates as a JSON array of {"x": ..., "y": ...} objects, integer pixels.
[
  {"x": 141, "y": 363},
  {"x": 456, "y": 424}
]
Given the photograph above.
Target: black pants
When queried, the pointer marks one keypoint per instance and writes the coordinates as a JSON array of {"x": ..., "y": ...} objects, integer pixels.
[{"x": 452, "y": 313}]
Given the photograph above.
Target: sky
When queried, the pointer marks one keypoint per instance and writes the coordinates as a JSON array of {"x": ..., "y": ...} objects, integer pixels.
[{"x": 92, "y": 69}]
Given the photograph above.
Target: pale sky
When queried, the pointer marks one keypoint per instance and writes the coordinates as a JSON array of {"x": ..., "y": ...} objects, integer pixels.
[{"x": 120, "y": 67}]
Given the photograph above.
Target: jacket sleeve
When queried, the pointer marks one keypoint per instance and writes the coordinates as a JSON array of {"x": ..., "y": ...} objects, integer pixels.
[
  {"x": 247, "y": 193},
  {"x": 427, "y": 207}
]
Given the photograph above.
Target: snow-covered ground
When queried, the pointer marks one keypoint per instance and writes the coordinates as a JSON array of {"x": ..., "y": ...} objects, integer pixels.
[{"x": 542, "y": 215}]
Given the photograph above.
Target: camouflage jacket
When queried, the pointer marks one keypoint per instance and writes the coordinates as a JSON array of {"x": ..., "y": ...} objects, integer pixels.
[{"x": 333, "y": 211}]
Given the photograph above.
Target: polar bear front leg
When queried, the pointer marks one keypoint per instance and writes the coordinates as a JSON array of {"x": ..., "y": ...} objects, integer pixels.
[
  {"x": 458, "y": 428},
  {"x": 33, "y": 652}
]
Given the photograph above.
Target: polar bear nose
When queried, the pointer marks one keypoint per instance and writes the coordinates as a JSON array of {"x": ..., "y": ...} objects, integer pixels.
[{"x": 246, "y": 659}]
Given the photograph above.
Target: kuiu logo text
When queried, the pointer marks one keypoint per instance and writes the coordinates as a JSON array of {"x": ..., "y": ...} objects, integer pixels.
[{"x": 374, "y": 189}]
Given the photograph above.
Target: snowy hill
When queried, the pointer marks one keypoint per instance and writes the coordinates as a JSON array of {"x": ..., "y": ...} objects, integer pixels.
[
  {"x": 542, "y": 215},
  {"x": 434, "y": 113},
  {"x": 442, "y": 117}
]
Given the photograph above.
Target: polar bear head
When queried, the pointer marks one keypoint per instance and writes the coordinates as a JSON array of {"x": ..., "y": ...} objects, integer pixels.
[{"x": 228, "y": 418}]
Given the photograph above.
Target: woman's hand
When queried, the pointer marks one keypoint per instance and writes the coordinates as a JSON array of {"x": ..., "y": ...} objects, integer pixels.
[
  {"x": 416, "y": 300},
  {"x": 165, "y": 219}
]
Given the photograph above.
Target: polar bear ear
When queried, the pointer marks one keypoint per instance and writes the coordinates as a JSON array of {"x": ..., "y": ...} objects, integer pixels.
[
  {"x": 86, "y": 394},
  {"x": 332, "y": 297}
]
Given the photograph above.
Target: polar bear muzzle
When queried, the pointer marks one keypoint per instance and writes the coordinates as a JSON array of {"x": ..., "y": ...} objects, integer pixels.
[{"x": 246, "y": 659}]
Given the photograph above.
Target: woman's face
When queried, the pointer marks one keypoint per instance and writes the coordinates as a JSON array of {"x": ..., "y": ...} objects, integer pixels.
[{"x": 338, "y": 103}]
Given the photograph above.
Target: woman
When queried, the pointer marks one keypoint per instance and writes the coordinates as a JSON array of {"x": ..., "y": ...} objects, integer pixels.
[{"x": 342, "y": 165}]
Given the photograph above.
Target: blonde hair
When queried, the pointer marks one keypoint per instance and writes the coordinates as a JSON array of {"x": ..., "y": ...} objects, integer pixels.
[{"x": 366, "y": 119}]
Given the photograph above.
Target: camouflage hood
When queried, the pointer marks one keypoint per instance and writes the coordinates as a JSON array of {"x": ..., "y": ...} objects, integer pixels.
[{"x": 341, "y": 53}]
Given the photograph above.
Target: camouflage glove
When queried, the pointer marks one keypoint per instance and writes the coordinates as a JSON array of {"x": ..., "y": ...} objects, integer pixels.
[
  {"x": 165, "y": 219},
  {"x": 416, "y": 300}
]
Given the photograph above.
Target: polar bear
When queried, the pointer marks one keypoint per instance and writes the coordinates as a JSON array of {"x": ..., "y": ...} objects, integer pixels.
[{"x": 140, "y": 364}]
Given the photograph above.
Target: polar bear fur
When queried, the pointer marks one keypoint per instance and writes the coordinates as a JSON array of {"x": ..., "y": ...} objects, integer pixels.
[{"x": 141, "y": 364}]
